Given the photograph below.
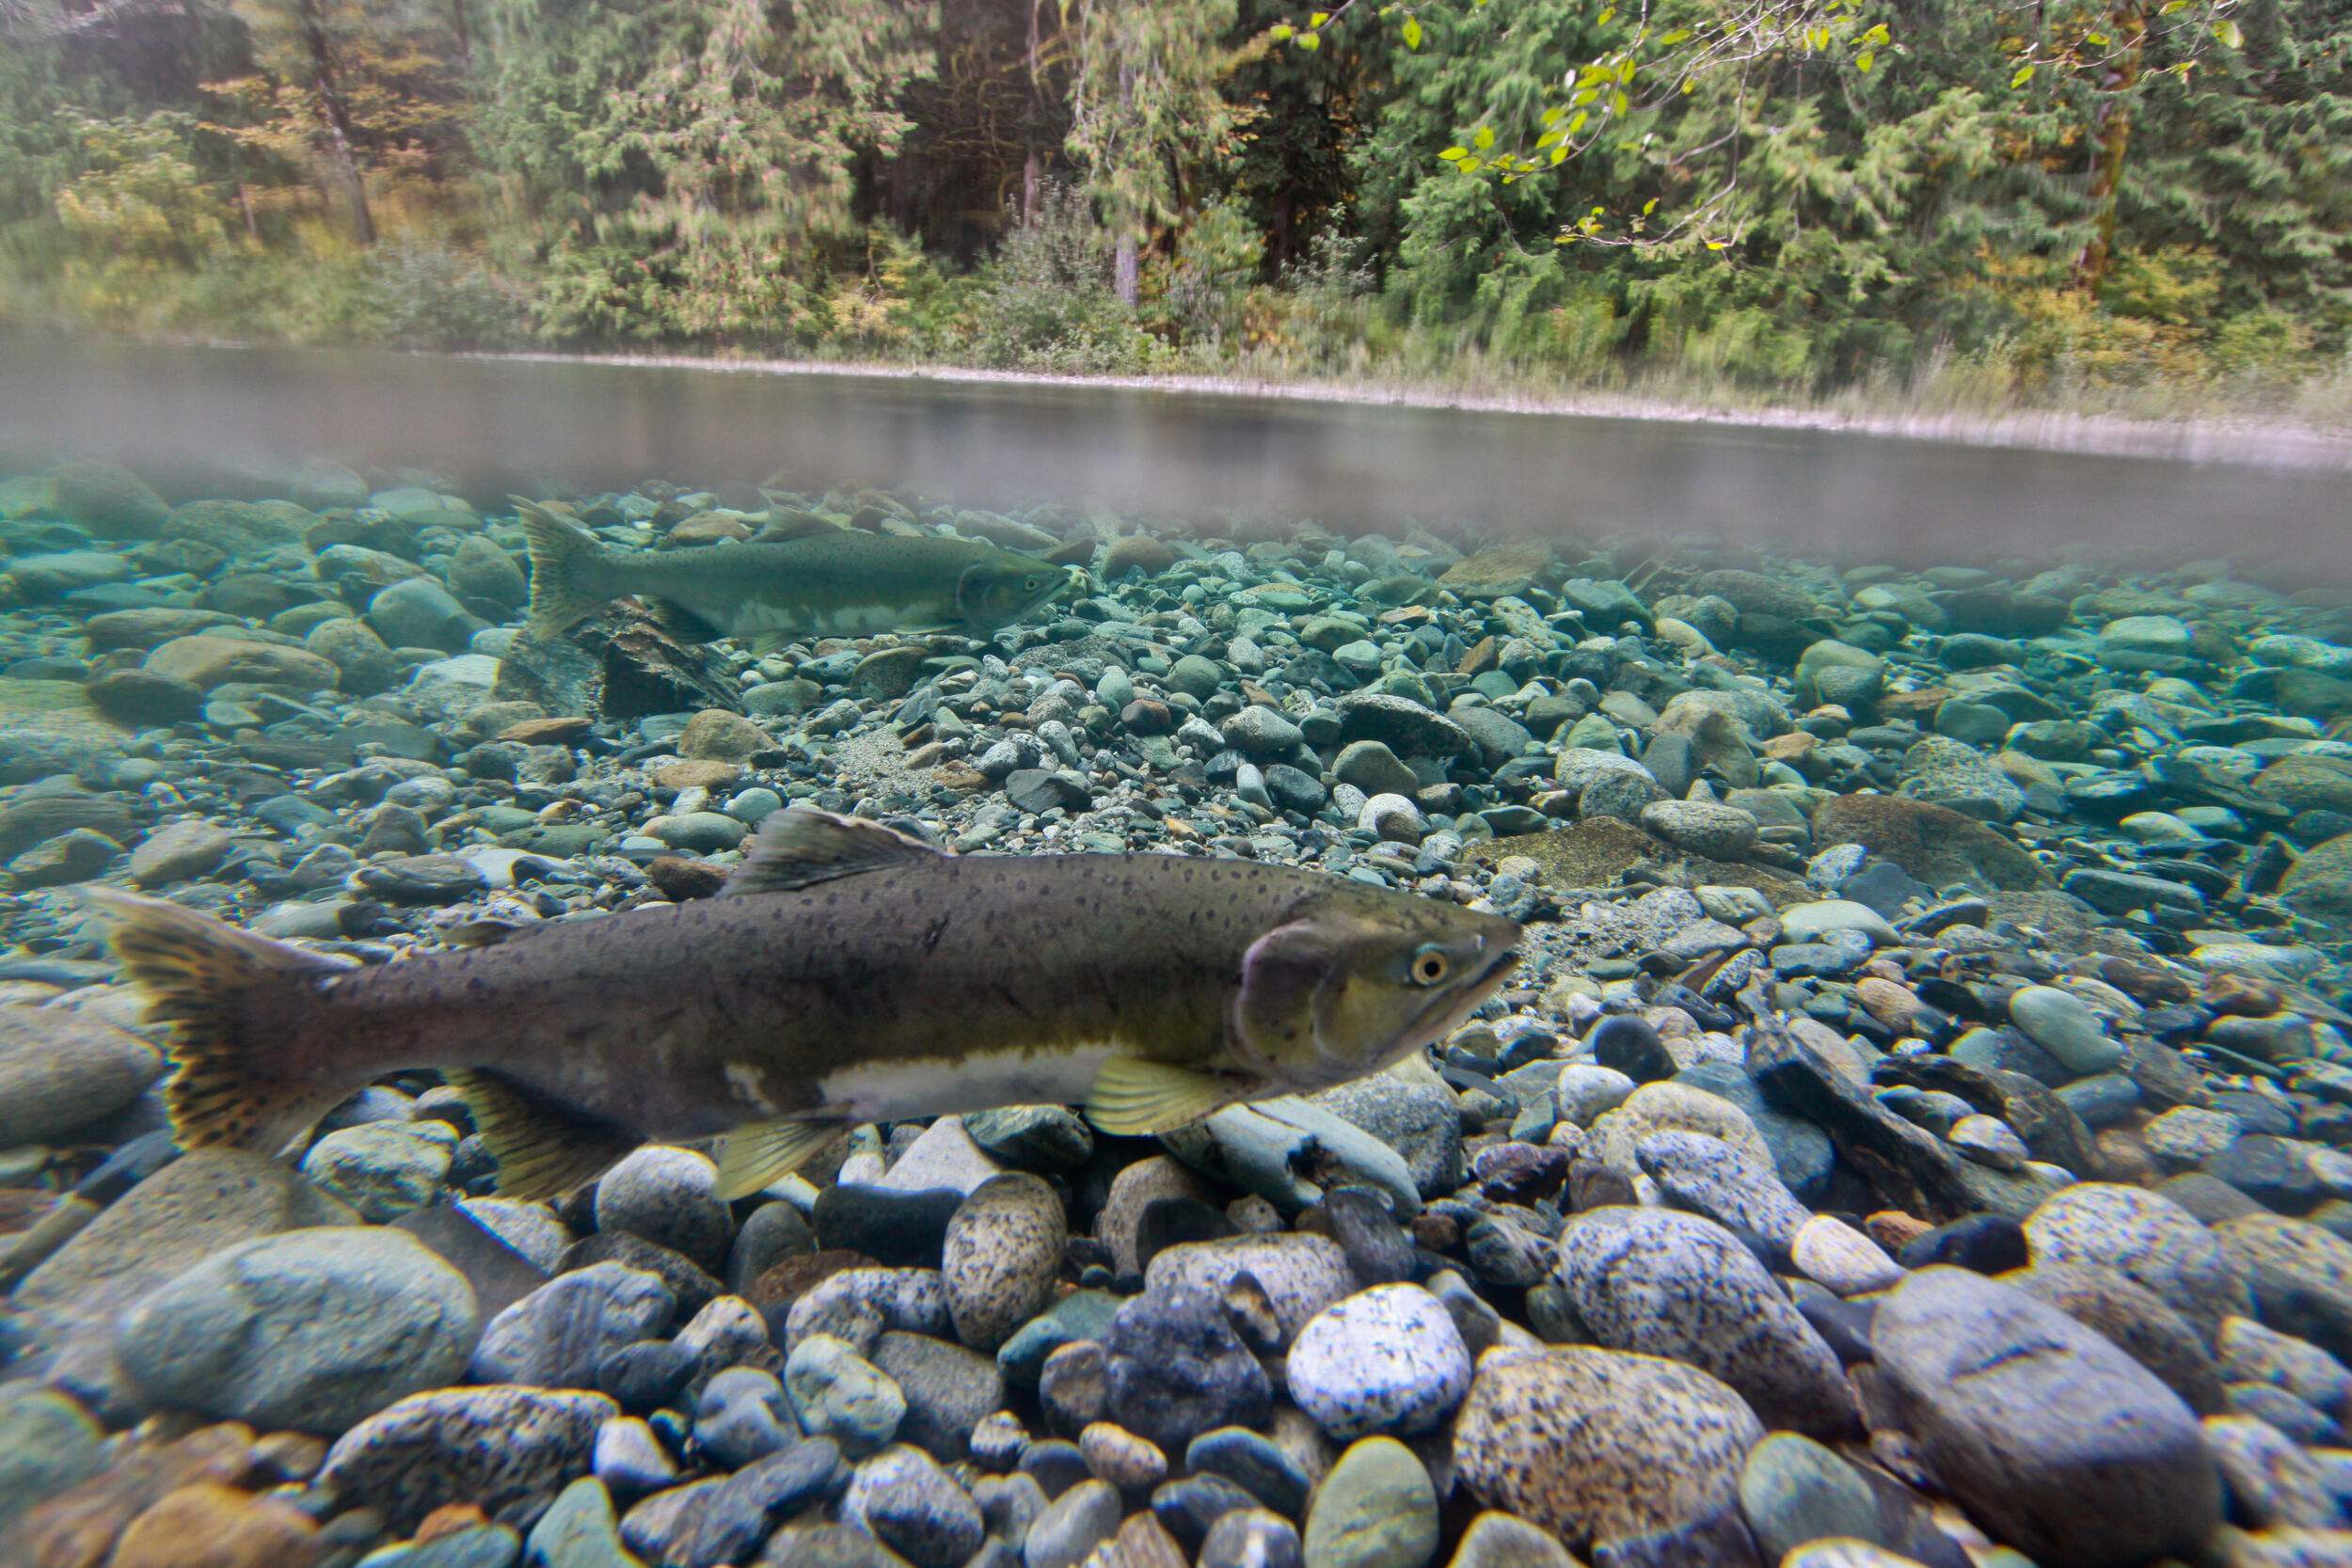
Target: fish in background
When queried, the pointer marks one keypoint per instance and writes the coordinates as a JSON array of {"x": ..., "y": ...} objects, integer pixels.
[
  {"x": 849, "y": 974},
  {"x": 838, "y": 582}
]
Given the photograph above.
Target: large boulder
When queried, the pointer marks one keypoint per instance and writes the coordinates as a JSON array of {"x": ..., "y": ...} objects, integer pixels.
[{"x": 2056, "y": 1441}]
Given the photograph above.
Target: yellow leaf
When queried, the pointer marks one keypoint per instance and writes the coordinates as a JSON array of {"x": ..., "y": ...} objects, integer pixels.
[
  {"x": 1318, "y": 19},
  {"x": 1551, "y": 115},
  {"x": 2025, "y": 74},
  {"x": 1650, "y": 206},
  {"x": 1715, "y": 244},
  {"x": 1310, "y": 41},
  {"x": 1606, "y": 12},
  {"x": 1620, "y": 102},
  {"x": 2227, "y": 32},
  {"x": 1509, "y": 179},
  {"x": 1577, "y": 123},
  {"x": 1558, "y": 154},
  {"x": 1864, "y": 61},
  {"x": 1282, "y": 31},
  {"x": 1412, "y": 32},
  {"x": 1689, "y": 87},
  {"x": 1483, "y": 137},
  {"x": 1549, "y": 139},
  {"x": 1678, "y": 36},
  {"x": 1454, "y": 154},
  {"x": 1471, "y": 166}
]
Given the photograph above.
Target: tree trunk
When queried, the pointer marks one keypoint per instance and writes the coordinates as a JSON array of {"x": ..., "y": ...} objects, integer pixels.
[
  {"x": 336, "y": 114},
  {"x": 2112, "y": 139},
  {"x": 1127, "y": 277},
  {"x": 1032, "y": 183}
]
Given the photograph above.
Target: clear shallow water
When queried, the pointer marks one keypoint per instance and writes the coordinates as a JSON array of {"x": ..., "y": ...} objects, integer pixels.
[
  {"x": 1927, "y": 856},
  {"x": 225, "y": 420}
]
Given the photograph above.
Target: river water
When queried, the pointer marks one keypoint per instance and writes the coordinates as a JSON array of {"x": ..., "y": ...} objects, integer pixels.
[
  {"x": 214, "y": 420},
  {"x": 1603, "y": 927}
]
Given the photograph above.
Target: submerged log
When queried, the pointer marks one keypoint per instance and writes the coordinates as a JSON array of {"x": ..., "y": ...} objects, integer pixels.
[{"x": 624, "y": 664}]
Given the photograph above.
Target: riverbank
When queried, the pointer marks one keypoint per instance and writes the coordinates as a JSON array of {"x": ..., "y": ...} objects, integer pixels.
[{"x": 2259, "y": 439}]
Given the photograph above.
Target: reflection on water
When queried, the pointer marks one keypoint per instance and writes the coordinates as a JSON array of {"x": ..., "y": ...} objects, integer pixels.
[
  {"x": 233, "y": 419},
  {"x": 1925, "y": 855}
]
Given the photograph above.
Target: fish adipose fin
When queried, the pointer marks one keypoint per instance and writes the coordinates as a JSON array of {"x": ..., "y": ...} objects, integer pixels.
[
  {"x": 560, "y": 549},
  {"x": 235, "y": 1080},
  {"x": 800, "y": 847},
  {"x": 761, "y": 1153},
  {"x": 542, "y": 1147},
  {"x": 1138, "y": 1099}
]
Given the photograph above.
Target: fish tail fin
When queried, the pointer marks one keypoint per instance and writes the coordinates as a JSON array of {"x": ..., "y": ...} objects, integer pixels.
[
  {"x": 234, "y": 1081},
  {"x": 561, "y": 550}
]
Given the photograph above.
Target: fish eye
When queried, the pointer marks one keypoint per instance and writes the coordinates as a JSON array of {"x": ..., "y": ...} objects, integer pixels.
[{"x": 1430, "y": 966}]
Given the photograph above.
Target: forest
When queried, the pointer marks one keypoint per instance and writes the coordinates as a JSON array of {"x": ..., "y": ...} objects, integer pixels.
[{"x": 2138, "y": 205}]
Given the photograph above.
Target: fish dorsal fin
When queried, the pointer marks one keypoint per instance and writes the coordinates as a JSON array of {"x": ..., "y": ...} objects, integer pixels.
[
  {"x": 761, "y": 1153},
  {"x": 1138, "y": 1098},
  {"x": 542, "y": 1147},
  {"x": 800, "y": 847}
]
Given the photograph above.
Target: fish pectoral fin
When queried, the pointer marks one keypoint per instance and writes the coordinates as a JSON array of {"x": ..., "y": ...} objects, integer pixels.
[
  {"x": 760, "y": 1153},
  {"x": 800, "y": 847},
  {"x": 1138, "y": 1098},
  {"x": 542, "y": 1147},
  {"x": 768, "y": 643}
]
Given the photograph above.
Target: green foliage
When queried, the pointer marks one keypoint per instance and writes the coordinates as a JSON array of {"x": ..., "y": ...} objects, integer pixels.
[
  {"x": 2080, "y": 200},
  {"x": 1050, "y": 301}
]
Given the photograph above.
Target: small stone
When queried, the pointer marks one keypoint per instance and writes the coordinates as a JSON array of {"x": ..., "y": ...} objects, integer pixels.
[
  {"x": 2146, "y": 1238},
  {"x": 1251, "y": 1538},
  {"x": 218, "y": 1526},
  {"x": 311, "y": 1329},
  {"x": 1256, "y": 1464},
  {"x": 838, "y": 1393},
  {"x": 1504, "y": 1541},
  {"x": 1603, "y": 1448},
  {"x": 1301, "y": 1274},
  {"x": 179, "y": 852},
  {"x": 949, "y": 1390},
  {"x": 911, "y": 1506},
  {"x": 1072, "y": 1525},
  {"x": 500, "y": 1448},
  {"x": 1793, "y": 1490},
  {"x": 381, "y": 1168},
  {"x": 1833, "y": 1254},
  {"x": 1387, "y": 1360},
  {"x": 61, "y": 1070},
  {"x": 1678, "y": 1285},
  {"x": 579, "y": 1531},
  {"x": 1376, "y": 1508},
  {"x": 668, "y": 1196},
  {"x": 1127, "y": 1462},
  {"x": 2059, "y": 1022},
  {"x": 1176, "y": 1368},
  {"x": 557, "y": 1336},
  {"x": 743, "y": 1416},
  {"x": 1003, "y": 1251}
]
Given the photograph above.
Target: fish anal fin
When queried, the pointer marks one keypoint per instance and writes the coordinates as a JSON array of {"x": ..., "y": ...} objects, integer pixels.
[
  {"x": 542, "y": 1147},
  {"x": 800, "y": 847},
  {"x": 760, "y": 1153},
  {"x": 1133, "y": 1097}
]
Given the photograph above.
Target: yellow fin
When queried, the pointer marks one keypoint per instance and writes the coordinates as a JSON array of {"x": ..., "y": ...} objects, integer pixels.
[
  {"x": 541, "y": 1148},
  {"x": 761, "y": 1152},
  {"x": 1138, "y": 1099},
  {"x": 233, "y": 1000}
]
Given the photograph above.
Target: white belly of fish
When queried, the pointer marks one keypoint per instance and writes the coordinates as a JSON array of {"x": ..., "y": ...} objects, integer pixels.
[
  {"x": 894, "y": 1092},
  {"x": 755, "y": 619}
]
